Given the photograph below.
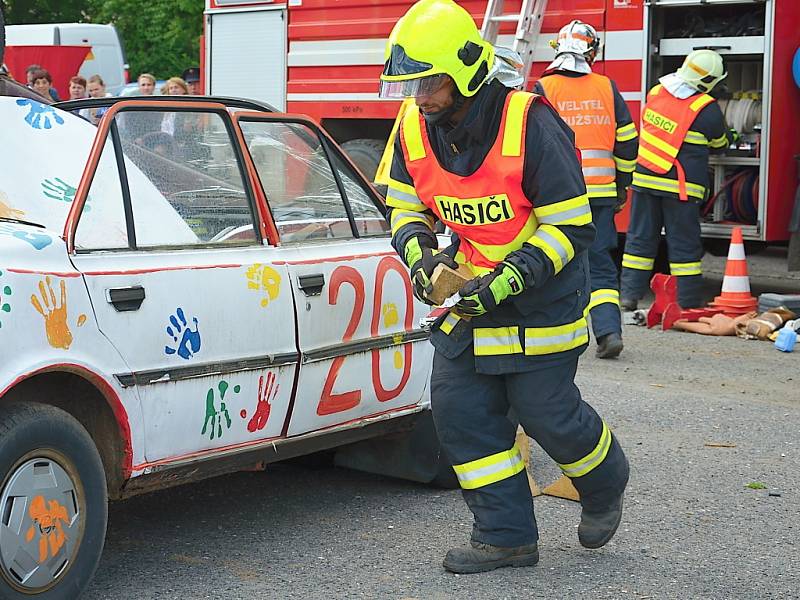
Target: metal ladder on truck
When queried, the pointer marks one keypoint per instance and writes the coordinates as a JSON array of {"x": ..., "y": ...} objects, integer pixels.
[{"x": 529, "y": 26}]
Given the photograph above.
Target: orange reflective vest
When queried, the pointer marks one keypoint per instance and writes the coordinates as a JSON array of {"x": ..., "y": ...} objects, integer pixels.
[
  {"x": 488, "y": 209},
  {"x": 586, "y": 104},
  {"x": 665, "y": 122}
]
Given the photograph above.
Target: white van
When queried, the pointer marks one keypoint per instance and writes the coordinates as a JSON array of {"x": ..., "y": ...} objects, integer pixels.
[{"x": 106, "y": 59}]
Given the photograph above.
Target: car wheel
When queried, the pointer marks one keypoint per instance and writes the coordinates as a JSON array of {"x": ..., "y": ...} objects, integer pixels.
[
  {"x": 53, "y": 503},
  {"x": 366, "y": 154}
]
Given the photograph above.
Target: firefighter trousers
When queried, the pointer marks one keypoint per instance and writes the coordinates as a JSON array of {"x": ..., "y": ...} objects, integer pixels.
[
  {"x": 604, "y": 305},
  {"x": 470, "y": 410},
  {"x": 681, "y": 223}
]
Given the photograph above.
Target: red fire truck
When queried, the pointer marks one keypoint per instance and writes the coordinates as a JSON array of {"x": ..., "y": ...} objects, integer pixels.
[{"x": 323, "y": 58}]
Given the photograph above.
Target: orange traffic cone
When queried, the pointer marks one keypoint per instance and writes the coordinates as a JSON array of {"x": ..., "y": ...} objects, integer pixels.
[{"x": 735, "y": 297}]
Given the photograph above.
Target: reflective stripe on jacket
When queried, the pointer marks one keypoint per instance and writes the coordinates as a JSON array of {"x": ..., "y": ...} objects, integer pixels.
[
  {"x": 487, "y": 209},
  {"x": 666, "y": 123},
  {"x": 586, "y": 104}
]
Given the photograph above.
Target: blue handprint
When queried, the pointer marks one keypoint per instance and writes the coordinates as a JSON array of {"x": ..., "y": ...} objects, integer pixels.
[
  {"x": 190, "y": 340},
  {"x": 40, "y": 116},
  {"x": 37, "y": 240}
]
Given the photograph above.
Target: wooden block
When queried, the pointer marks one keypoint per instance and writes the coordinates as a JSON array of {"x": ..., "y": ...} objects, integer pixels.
[
  {"x": 447, "y": 281},
  {"x": 524, "y": 445},
  {"x": 562, "y": 488}
]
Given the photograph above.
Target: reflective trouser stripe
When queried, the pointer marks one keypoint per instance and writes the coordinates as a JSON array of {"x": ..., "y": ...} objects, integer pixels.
[
  {"x": 601, "y": 191},
  {"x": 490, "y": 341},
  {"x": 490, "y": 469},
  {"x": 690, "y": 268},
  {"x": 641, "y": 263},
  {"x": 550, "y": 340},
  {"x": 624, "y": 165},
  {"x": 449, "y": 322},
  {"x": 593, "y": 459},
  {"x": 667, "y": 185},
  {"x": 604, "y": 296}
]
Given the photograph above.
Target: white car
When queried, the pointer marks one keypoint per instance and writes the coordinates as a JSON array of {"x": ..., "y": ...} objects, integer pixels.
[{"x": 188, "y": 289}]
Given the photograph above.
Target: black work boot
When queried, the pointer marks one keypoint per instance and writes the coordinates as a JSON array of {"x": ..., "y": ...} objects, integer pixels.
[
  {"x": 477, "y": 558},
  {"x": 597, "y": 528},
  {"x": 609, "y": 346},
  {"x": 628, "y": 304}
]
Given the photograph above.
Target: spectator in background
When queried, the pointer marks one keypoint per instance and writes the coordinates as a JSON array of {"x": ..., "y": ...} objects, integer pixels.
[
  {"x": 147, "y": 84},
  {"x": 175, "y": 86},
  {"x": 51, "y": 92},
  {"x": 41, "y": 83},
  {"x": 97, "y": 89},
  {"x": 192, "y": 78},
  {"x": 77, "y": 88}
]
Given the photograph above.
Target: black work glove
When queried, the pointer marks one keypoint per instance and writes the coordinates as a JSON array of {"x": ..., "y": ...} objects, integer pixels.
[
  {"x": 622, "y": 198},
  {"x": 422, "y": 271}
]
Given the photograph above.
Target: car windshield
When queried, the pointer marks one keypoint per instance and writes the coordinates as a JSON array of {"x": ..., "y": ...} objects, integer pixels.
[{"x": 42, "y": 160}]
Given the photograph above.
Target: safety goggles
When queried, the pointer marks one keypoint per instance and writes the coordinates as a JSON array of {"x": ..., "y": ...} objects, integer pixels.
[{"x": 413, "y": 88}]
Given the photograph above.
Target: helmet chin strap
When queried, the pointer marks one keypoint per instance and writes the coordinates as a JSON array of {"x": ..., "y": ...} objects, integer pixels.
[{"x": 442, "y": 117}]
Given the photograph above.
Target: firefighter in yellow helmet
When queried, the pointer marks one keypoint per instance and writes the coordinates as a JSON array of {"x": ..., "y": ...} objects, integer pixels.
[
  {"x": 681, "y": 124},
  {"x": 499, "y": 168},
  {"x": 592, "y": 106}
]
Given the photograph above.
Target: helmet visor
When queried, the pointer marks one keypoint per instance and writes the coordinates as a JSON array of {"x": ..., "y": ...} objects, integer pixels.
[{"x": 412, "y": 88}]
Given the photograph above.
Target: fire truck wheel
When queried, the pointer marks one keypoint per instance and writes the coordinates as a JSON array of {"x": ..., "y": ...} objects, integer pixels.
[
  {"x": 53, "y": 503},
  {"x": 366, "y": 154}
]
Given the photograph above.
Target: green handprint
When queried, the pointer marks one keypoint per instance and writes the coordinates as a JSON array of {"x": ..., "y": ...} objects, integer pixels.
[
  {"x": 5, "y": 291},
  {"x": 213, "y": 416},
  {"x": 60, "y": 190}
]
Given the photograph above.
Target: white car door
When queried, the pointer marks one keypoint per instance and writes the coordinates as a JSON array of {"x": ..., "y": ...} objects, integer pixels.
[
  {"x": 363, "y": 354},
  {"x": 171, "y": 248}
]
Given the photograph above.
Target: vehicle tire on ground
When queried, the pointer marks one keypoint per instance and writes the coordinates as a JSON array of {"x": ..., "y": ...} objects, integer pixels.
[
  {"x": 366, "y": 154},
  {"x": 53, "y": 504}
]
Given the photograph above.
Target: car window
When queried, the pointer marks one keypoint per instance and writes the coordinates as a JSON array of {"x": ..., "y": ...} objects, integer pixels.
[
  {"x": 369, "y": 219},
  {"x": 102, "y": 224},
  {"x": 187, "y": 160},
  {"x": 299, "y": 182}
]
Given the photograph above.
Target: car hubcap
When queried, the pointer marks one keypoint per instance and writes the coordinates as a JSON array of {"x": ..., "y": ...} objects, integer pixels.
[{"x": 41, "y": 523}]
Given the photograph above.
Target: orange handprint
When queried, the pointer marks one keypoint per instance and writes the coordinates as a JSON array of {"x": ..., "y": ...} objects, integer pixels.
[
  {"x": 55, "y": 317},
  {"x": 47, "y": 519}
]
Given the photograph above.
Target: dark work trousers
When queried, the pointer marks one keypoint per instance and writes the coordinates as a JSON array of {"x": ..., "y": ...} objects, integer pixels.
[
  {"x": 605, "y": 313},
  {"x": 681, "y": 223},
  {"x": 470, "y": 412}
]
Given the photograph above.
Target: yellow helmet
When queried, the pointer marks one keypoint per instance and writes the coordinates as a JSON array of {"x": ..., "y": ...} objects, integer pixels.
[
  {"x": 434, "y": 39},
  {"x": 702, "y": 69}
]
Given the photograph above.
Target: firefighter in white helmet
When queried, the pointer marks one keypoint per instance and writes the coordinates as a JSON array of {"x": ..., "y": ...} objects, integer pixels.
[
  {"x": 594, "y": 109},
  {"x": 681, "y": 124},
  {"x": 499, "y": 168}
]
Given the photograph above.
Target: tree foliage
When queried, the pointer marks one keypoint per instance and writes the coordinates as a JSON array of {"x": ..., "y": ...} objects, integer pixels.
[{"x": 160, "y": 36}]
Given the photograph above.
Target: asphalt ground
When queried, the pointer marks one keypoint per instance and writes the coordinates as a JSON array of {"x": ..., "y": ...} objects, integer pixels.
[{"x": 700, "y": 419}]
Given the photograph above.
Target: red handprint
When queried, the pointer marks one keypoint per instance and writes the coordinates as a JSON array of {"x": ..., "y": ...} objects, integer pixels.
[{"x": 266, "y": 393}]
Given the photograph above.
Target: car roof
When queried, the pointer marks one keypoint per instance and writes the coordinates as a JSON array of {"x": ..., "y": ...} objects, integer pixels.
[{"x": 230, "y": 102}]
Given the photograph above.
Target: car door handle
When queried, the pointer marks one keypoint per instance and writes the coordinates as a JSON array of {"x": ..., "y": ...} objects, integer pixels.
[
  {"x": 126, "y": 299},
  {"x": 311, "y": 284}
]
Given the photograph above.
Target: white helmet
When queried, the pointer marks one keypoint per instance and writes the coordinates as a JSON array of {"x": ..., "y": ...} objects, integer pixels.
[
  {"x": 702, "y": 70},
  {"x": 577, "y": 37}
]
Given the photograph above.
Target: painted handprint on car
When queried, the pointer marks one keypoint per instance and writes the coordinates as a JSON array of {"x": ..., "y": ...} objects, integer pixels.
[
  {"x": 215, "y": 418},
  {"x": 40, "y": 116},
  {"x": 60, "y": 190},
  {"x": 49, "y": 520},
  {"x": 5, "y": 306},
  {"x": 35, "y": 239},
  {"x": 55, "y": 315},
  {"x": 264, "y": 279},
  {"x": 9, "y": 211},
  {"x": 266, "y": 394},
  {"x": 189, "y": 343}
]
